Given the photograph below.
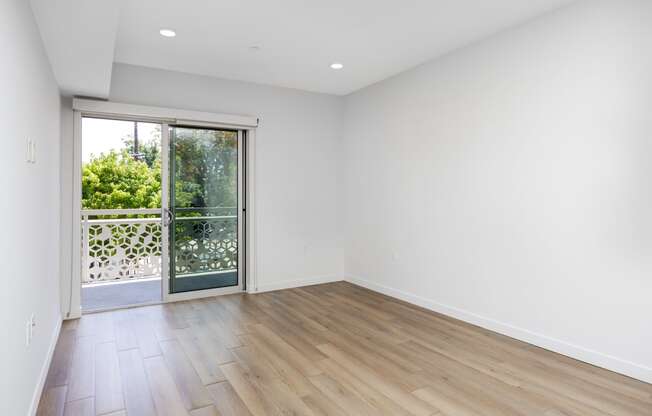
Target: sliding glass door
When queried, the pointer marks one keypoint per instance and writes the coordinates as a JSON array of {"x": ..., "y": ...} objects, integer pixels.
[{"x": 204, "y": 214}]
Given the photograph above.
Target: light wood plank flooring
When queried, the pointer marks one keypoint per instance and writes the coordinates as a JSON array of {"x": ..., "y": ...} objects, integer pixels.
[{"x": 334, "y": 349}]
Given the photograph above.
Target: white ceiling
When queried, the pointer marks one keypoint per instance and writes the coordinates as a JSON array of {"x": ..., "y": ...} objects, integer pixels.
[
  {"x": 298, "y": 39},
  {"x": 79, "y": 36}
]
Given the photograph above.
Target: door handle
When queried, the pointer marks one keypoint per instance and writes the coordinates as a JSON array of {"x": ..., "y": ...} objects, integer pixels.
[{"x": 167, "y": 217}]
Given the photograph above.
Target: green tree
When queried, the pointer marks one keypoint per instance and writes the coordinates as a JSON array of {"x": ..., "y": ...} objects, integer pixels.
[
  {"x": 205, "y": 168},
  {"x": 117, "y": 180},
  {"x": 204, "y": 171}
]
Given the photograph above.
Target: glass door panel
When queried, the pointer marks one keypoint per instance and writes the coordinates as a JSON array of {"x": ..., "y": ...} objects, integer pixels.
[{"x": 204, "y": 229}]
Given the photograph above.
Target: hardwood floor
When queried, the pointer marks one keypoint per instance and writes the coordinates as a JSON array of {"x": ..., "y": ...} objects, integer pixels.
[{"x": 334, "y": 349}]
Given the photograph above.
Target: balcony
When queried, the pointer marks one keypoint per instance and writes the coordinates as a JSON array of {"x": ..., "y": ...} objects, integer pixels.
[{"x": 122, "y": 253}]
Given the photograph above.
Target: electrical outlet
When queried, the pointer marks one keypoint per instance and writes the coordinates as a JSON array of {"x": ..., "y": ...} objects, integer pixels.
[
  {"x": 31, "y": 151},
  {"x": 28, "y": 333},
  {"x": 32, "y": 321},
  {"x": 29, "y": 329}
]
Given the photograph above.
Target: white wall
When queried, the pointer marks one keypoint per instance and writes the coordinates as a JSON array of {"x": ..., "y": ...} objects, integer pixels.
[
  {"x": 29, "y": 107},
  {"x": 509, "y": 184},
  {"x": 297, "y": 144}
]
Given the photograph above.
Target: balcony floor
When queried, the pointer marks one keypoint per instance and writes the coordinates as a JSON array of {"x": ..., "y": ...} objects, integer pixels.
[{"x": 114, "y": 295}]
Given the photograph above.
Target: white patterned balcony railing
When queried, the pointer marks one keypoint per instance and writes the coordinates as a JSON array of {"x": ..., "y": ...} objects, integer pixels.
[
  {"x": 129, "y": 247},
  {"x": 120, "y": 248}
]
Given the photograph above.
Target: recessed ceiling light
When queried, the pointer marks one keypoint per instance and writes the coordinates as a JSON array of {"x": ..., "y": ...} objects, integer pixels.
[
  {"x": 168, "y": 33},
  {"x": 337, "y": 65}
]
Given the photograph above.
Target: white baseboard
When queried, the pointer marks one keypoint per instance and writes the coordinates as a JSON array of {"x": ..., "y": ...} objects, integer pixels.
[
  {"x": 618, "y": 365},
  {"x": 45, "y": 368},
  {"x": 288, "y": 284}
]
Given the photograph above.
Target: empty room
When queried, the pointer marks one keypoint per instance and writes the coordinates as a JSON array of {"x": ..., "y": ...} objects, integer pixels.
[{"x": 326, "y": 207}]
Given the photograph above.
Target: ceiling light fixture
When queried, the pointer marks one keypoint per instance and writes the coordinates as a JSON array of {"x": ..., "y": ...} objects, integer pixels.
[
  {"x": 337, "y": 65},
  {"x": 168, "y": 33}
]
